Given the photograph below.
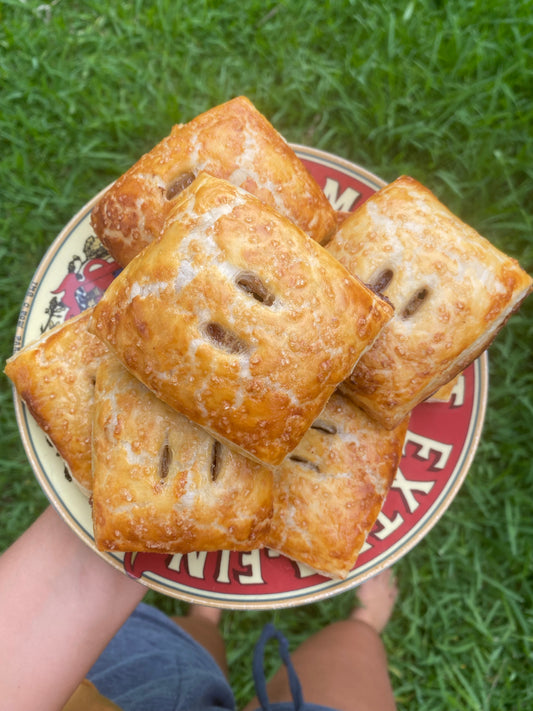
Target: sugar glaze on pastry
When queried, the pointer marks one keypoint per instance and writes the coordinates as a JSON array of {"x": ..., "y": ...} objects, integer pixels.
[
  {"x": 233, "y": 141},
  {"x": 451, "y": 288},
  {"x": 238, "y": 320},
  {"x": 162, "y": 483},
  {"x": 328, "y": 493},
  {"x": 54, "y": 375}
]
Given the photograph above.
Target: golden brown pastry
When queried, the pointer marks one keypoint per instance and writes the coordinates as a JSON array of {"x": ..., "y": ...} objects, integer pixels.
[
  {"x": 451, "y": 288},
  {"x": 238, "y": 320},
  {"x": 329, "y": 491},
  {"x": 54, "y": 376},
  {"x": 163, "y": 484},
  {"x": 231, "y": 141}
]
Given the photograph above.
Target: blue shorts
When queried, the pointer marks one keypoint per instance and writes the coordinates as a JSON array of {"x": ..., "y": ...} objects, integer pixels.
[{"x": 151, "y": 664}]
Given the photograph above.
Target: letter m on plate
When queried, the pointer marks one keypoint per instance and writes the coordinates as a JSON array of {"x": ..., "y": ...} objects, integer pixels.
[{"x": 343, "y": 202}]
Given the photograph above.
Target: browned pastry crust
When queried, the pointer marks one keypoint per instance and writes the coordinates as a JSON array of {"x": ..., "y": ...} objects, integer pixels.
[
  {"x": 451, "y": 288},
  {"x": 238, "y": 320},
  {"x": 54, "y": 376},
  {"x": 231, "y": 141},
  {"x": 163, "y": 484},
  {"x": 329, "y": 492}
]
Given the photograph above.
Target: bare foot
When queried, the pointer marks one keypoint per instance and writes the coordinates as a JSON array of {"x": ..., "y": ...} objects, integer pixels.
[
  {"x": 206, "y": 612},
  {"x": 377, "y": 597}
]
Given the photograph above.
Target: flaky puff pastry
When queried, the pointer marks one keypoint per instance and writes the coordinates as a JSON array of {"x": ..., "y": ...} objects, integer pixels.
[
  {"x": 233, "y": 141},
  {"x": 328, "y": 493},
  {"x": 163, "y": 484},
  {"x": 451, "y": 288},
  {"x": 55, "y": 377},
  {"x": 238, "y": 320}
]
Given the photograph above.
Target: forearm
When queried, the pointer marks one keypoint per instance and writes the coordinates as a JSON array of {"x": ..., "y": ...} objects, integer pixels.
[{"x": 60, "y": 604}]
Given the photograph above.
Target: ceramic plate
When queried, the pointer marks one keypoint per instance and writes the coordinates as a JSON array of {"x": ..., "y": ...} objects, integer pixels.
[{"x": 440, "y": 445}]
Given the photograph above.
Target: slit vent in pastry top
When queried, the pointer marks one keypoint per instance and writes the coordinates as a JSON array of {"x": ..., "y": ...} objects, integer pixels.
[
  {"x": 55, "y": 377},
  {"x": 238, "y": 320},
  {"x": 233, "y": 141},
  {"x": 328, "y": 493},
  {"x": 451, "y": 288},
  {"x": 162, "y": 483}
]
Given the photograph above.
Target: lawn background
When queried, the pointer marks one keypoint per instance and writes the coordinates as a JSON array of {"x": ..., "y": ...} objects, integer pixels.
[{"x": 442, "y": 91}]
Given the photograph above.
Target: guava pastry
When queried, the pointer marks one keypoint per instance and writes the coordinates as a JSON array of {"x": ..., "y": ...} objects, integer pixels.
[
  {"x": 451, "y": 288},
  {"x": 238, "y": 320},
  {"x": 233, "y": 141}
]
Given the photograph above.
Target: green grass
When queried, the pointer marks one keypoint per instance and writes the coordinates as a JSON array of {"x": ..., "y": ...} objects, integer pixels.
[{"x": 441, "y": 91}]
